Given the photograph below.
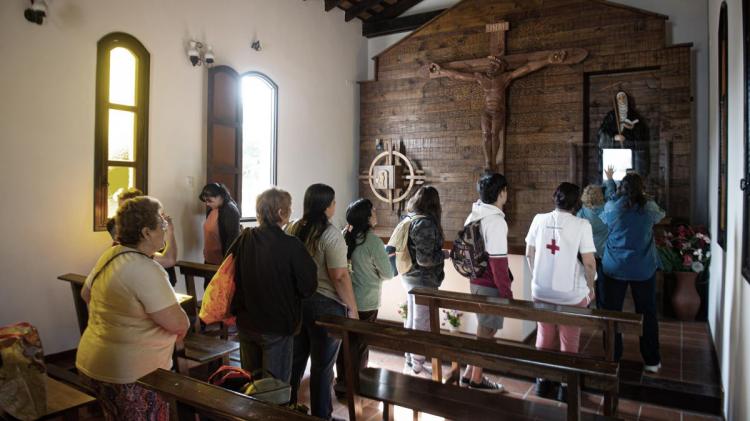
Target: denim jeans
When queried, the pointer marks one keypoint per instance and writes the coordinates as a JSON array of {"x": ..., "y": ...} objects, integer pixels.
[
  {"x": 269, "y": 352},
  {"x": 417, "y": 318},
  {"x": 599, "y": 284},
  {"x": 313, "y": 342},
  {"x": 644, "y": 296},
  {"x": 364, "y": 353}
]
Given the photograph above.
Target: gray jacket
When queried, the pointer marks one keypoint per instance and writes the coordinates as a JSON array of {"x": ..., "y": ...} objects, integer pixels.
[{"x": 426, "y": 250}]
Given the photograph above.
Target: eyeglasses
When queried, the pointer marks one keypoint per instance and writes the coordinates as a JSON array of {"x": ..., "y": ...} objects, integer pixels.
[{"x": 164, "y": 223}]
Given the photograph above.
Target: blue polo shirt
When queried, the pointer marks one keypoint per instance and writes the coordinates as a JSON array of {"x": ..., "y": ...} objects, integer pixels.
[{"x": 630, "y": 252}]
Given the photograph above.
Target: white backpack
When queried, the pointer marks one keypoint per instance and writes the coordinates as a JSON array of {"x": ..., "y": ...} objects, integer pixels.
[{"x": 400, "y": 241}]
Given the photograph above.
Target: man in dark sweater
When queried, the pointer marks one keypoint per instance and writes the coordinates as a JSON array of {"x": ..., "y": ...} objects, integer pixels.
[{"x": 273, "y": 273}]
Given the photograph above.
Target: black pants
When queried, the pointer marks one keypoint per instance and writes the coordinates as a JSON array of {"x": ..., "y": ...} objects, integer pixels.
[
  {"x": 367, "y": 316},
  {"x": 644, "y": 296}
]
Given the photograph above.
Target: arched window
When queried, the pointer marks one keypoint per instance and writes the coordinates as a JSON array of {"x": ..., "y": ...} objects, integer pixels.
[
  {"x": 259, "y": 122},
  {"x": 121, "y": 126}
]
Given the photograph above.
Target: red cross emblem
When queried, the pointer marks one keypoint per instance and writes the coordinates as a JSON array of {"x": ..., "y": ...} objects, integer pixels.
[{"x": 553, "y": 247}]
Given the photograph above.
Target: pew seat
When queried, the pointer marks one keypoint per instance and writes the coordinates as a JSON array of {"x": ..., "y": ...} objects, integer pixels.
[
  {"x": 453, "y": 402},
  {"x": 64, "y": 400}
]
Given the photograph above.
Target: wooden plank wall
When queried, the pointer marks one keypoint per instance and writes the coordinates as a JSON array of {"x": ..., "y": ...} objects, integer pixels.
[{"x": 438, "y": 120}]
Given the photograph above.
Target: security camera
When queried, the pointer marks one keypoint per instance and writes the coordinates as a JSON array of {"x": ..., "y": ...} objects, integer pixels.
[
  {"x": 193, "y": 55},
  {"x": 209, "y": 56},
  {"x": 37, "y": 12}
]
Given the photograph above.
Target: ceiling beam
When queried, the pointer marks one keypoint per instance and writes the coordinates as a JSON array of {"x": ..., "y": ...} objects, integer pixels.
[
  {"x": 397, "y": 9},
  {"x": 330, "y": 4},
  {"x": 358, "y": 8},
  {"x": 393, "y": 26}
]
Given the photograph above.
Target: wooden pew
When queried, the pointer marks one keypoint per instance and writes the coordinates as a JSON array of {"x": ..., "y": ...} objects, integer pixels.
[
  {"x": 463, "y": 403},
  {"x": 609, "y": 322},
  {"x": 198, "y": 348},
  {"x": 192, "y": 270},
  {"x": 64, "y": 401},
  {"x": 189, "y": 397}
]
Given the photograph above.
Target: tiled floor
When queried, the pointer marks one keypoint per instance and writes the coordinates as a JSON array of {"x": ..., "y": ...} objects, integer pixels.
[
  {"x": 686, "y": 348},
  {"x": 686, "y": 356}
]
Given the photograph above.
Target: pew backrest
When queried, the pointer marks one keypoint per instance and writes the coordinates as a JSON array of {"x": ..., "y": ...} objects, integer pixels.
[
  {"x": 192, "y": 270},
  {"x": 577, "y": 371},
  {"x": 515, "y": 359},
  {"x": 529, "y": 310},
  {"x": 189, "y": 397},
  {"x": 76, "y": 282}
]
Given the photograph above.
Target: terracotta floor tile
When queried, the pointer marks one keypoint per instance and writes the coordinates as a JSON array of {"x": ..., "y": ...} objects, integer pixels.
[
  {"x": 689, "y": 416},
  {"x": 657, "y": 413}
]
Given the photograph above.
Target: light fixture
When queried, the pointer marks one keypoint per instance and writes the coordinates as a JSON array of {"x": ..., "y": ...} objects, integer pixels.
[
  {"x": 198, "y": 53},
  {"x": 37, "y": 12}
]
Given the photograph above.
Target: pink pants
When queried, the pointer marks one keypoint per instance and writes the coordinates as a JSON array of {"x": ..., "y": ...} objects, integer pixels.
[{"x": 546, "y": 333}]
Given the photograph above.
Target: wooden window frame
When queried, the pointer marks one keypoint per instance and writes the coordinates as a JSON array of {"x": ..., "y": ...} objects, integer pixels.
[
  {"x": 722, "y": 193},
  {"x": 101, "y": 130},
  {"x": 274, "y": 137},
  {"x": 744, "y": 183}
]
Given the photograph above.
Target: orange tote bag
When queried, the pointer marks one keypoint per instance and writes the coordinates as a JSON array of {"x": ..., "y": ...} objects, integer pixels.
[{"x": 217, "y": 299}]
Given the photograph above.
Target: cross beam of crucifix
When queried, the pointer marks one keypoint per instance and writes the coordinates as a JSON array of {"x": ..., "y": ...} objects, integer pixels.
[{"x": 494, "y": 74}]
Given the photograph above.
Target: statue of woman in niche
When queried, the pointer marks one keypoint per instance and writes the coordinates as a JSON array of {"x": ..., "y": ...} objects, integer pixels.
[{"x": 623, "y": 129}]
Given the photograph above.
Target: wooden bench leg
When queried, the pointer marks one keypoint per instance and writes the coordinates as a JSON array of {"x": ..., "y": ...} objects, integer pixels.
[
  {"x": 437, "y": 369},
  {"x": 387, "y": 411},
  {"x": 414, "y": 415},
  {"x": 574, "y": 397},
  {"x": 610, "y": 403}
]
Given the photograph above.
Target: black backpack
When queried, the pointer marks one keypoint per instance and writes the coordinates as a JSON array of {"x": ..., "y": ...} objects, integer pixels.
[{"x": 468, "y": 254}]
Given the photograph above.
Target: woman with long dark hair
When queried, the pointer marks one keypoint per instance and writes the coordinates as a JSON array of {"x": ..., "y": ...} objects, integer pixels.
[
  {"x": 222, "y": 224},
  {"x": 630, "y": 259},
  {"x": 426, "y": 249},
  {"x": 369, "y": 268},
  {"x": 334, "y": 295}
]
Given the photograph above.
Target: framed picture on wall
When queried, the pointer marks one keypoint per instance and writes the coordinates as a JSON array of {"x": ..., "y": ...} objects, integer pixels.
[{"x": 723, "y": 126}]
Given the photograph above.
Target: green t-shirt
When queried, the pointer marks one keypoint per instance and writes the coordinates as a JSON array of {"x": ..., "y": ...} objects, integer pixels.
[
  {"x": 370, "y": 267},
  {"x": 330, "y": 254}
]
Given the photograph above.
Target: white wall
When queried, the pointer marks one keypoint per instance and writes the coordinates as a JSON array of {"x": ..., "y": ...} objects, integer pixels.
[
  {"x": 729, "y": 297},
  {"x": 47, "y": 125}
]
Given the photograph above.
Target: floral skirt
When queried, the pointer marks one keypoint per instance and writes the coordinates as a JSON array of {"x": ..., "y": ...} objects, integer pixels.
[{"x": 128, "y": 402}]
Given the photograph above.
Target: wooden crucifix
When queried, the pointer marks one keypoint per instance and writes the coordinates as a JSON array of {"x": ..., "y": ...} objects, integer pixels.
[{"x": 494, "y": 74}]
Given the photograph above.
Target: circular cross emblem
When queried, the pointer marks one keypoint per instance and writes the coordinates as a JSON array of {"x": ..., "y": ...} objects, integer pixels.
[{"x": 392, "y": 176}]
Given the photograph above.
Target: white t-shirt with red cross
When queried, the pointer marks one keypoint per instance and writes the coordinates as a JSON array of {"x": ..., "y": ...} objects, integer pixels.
[{"x": 558, "y": 276}]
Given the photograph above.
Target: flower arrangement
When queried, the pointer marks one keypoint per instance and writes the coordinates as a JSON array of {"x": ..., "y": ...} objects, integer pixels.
[
  {"x": 684, "y": 249},
  {"x": 403, "y": 311},
  {"x": 453, "y": 318}
]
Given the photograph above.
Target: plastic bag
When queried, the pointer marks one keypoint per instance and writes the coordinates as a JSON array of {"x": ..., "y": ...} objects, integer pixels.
[{"x": 23, "y": 383}]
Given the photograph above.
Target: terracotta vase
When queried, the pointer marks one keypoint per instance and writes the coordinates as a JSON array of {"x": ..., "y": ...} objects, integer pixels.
[{"x": 685, "y": 298}]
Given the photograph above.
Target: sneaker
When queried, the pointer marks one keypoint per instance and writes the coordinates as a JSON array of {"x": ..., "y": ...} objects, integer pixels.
[
  {"x": 562, "y": 393},
  {"x": 544, "y": 388},
  {"x": 464, "y": 381},
  {"x": 652, "y": 368},
  {"x": 487, "y": 386}
]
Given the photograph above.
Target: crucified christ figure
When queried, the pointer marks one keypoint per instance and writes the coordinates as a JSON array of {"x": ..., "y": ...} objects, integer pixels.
[{"x": 494, "y": 83}]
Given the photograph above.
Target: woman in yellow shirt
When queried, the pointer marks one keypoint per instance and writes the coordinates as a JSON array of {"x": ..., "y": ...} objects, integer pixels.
[{"x": 134, "y": 316}]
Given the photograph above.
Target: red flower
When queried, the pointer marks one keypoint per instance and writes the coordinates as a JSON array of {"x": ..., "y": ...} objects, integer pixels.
[{"x": 687, "y": 260}]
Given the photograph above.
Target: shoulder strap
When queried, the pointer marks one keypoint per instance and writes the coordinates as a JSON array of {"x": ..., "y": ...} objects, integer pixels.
[{"x": 110, "y": 261}]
